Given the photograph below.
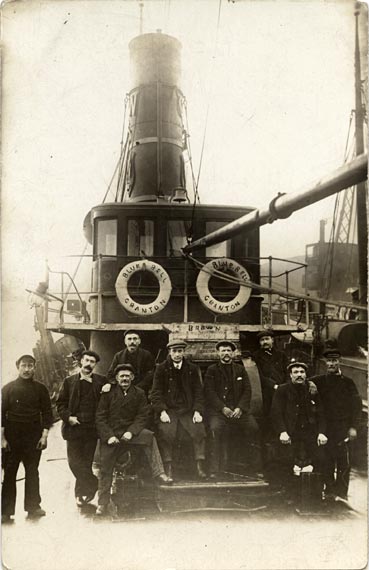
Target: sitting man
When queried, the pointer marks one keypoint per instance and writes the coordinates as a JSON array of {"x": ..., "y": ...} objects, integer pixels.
[
  {"x": 141, "y": 360},
  {"x": 177, "y": 398},
  {"x": 121, "y": 417},
  {"x": 299, "y": 421},
  {"x": 342, "y": 406},
  {"x": 228, "y": 395}
]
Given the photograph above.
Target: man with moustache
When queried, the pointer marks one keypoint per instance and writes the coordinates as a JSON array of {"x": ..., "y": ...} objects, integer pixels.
[
  {"x": 272, "y": 366},
  {"x": 299, "y": 421},
  {"x": 76, "y": 405},
  {"x": 342, "y": 406},
  {"x": 177, "y": 398},
  {"x": 142, "y": 361},
  {"x": 26, "y": 418},
  {"x": 121, "y": 420},
  {"x": 227, "y": 396}
]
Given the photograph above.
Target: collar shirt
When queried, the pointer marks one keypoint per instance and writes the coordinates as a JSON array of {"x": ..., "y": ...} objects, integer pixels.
[
  {"x": 124, "y": 391},
  {"x": 85, "y": 377},
  {"x": 178, "y": 365}
]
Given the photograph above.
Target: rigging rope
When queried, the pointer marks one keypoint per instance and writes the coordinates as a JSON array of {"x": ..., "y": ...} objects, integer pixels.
[
  {"x": 291, "y": 294},
  {"x": 209, "y": 96}
]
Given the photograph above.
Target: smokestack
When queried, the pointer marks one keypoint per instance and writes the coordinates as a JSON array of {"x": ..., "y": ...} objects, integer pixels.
[{"x": 155, "y": 165}]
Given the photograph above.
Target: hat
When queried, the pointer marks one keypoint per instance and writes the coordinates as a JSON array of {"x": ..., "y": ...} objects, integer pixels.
[
  {"x": 266, "y": 332},
  {"x": 121, "y": 367},
  {"x": 331, "y": 349},
  {"x": 226, "y": 342},
  {"x": 29, "y": 356},
  {"x": 178, "y": 343},
  {"x": 295, "y": 362},
  {"x": 131, "y": 331},
  {"x": 246, "y": 354}
]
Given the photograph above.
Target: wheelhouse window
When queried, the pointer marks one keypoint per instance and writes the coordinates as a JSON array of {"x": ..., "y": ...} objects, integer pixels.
[
  {"x": 107, "y": 237},
  {"x": 222, "y": 249},
  {"x": 140, "y": 240},
  {"x": 177, "y": 231}
]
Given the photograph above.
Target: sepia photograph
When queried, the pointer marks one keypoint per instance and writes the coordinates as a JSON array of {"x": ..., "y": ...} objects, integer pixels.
[{"x": 184, "y": 254}]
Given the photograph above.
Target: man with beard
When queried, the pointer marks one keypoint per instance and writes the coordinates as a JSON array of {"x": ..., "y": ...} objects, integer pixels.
[
  {"x": 299, "y": 421},
  {"x": 177, "y": 398},
  {"x": 227, "y": 397},
  {"x": 272, "y": 366},
  {"x": 342, "y": 406},
  {"x": 26, "y": 418},
  {"x": 141, "y": 360},
  {"x": 121, "y": 417},
  {"x": 76, "y": 405}
]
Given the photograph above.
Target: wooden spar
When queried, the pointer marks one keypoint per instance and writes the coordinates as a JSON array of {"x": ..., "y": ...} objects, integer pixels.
[{"x": 283, "y": 205}]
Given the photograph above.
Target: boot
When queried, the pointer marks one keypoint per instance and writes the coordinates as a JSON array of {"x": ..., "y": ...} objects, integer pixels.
[
  {"x": 200, "y": 471},
  {"x": 168, "y": 469}
]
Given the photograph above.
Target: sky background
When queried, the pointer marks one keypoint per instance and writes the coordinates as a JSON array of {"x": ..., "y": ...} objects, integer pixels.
[{"x": 277, "y": 81}]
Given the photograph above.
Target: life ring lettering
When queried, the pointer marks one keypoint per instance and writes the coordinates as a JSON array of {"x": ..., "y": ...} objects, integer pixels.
[
  {"x": 121, "y": 287},
  {"x": 207, "y": 299}
]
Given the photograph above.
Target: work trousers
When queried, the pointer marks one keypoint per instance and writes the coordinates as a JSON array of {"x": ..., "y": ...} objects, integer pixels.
[
  {"x": 168, "y": 432},
  {"x": 111, "y": 454},
  {"x": 221, "y": 428},
  {"x": 80, "y": 453},
  {"x": 337, "y": 460},
  {"x": 22, "y": 439},
  {"x": 303, "y": 451}
]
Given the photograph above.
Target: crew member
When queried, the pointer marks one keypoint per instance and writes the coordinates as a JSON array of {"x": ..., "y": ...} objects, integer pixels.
[
  {"x": 121, "y": 417},
  {"x": 272, "y": 366},
  {"x": 26, "y": 418},
  {"x": 177, "y": 398},
  {"x": 141, "y": 360},
  {"x": 342, "y": 406},
  {"x": 227, "y": 397},
  {"x": 299, "y": 421},
  {"x": 76, "y": 405}
]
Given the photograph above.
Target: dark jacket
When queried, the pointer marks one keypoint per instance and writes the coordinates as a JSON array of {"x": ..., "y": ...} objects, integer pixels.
[
  {"x": 285, "y": 409},
  {"x": 26, "y": 401},
  {"x": 214, "y": 382},
  {"x": 144, "y": 369},
  {"x": 340, "y": 398},
  {"x": 68, "y": 400},
  {"x": 191, "y": 384},
  {"x": 272, "y": 367},
  {"x": 117, "y": 413}
]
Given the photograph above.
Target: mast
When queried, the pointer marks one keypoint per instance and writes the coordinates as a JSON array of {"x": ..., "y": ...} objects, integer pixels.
[{"x": 362, "y": 228}]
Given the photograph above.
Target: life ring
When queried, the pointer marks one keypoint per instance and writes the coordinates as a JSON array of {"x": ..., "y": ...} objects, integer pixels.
[
  {"x": 121, "y": 287},
  {"x": 207, "y": 299}
]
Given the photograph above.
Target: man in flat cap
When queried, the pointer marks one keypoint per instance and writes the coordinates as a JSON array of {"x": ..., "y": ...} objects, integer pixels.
[
  {"x": 227, "y": 396},
  {"x": 76, "y": 405},
  {"x": 342, "y": 406},
  {"x": 299, "y": 421},
  {"x": 272, "y": 366},
  {"x": 26, "y": 418},
  {"x": 121, "y": 420},
  {"x": 177, "y": 398},
  {"x": 141, "y": 360}
]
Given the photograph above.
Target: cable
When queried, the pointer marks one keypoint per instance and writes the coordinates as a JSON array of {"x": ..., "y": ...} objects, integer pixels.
[{"x": 209, "y": 97}]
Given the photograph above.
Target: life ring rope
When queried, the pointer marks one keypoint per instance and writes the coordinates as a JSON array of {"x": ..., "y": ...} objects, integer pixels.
[
  {"x": 129, "y": 304},
  {"x": 212, "y": 268}
]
